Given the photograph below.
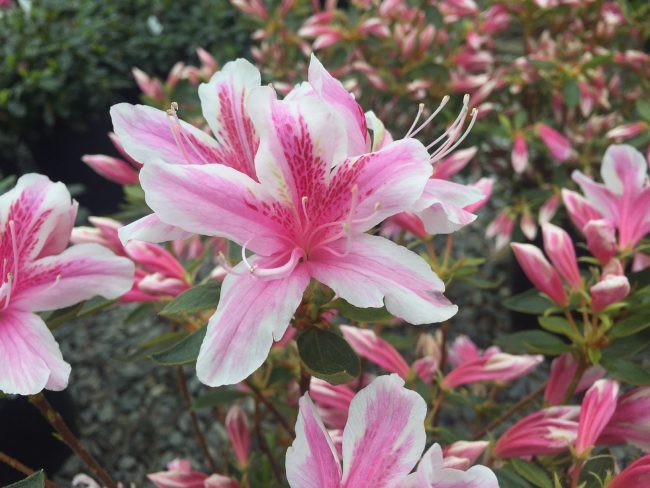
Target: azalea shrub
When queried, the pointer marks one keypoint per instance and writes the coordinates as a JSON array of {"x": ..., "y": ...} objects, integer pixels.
[{"x": 296, "y": 255}]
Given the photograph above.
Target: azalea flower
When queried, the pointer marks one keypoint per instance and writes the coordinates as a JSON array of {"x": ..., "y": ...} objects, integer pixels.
[
  {"x": 180, "y": 474},
  {"x": 297, "y": 187},
  {"x": 623, "y": 199},
  {"x": 382, "y": 442},
  {"x": 40, "y": 274}
]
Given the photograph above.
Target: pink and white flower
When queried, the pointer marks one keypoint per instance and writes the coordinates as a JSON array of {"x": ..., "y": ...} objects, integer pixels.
[
  {"x": 382, "y": 442},
  {"x": 40, "y": 274},
  {"x": 296, "y": 186},
  {"x": 180, "y": 474},
  {"x": 636, "y": 474},
  {"x": 597, "y": 409}
]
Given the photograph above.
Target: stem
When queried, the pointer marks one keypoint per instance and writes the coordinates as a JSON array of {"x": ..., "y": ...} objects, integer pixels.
[
  {"x": 21, "y": 468},
  {"x": 511, "y": 411},
  {"x": 264, "y": 447},
  {"x": 572, "y": 322},
  {"x": 200, "y": 438},
  {"x": 450, "y": 241},
  {"x": 57, "y": 422},
  {"x": 435, "y": 410},
  {"x": 431, "y": 250},
  {"x": 278, "y": 416},
  {"x": 575, "y": 474},
  {"x": 305, "y": 380}
]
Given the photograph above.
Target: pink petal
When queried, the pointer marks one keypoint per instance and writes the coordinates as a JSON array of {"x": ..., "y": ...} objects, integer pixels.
[
  {"x": 311, "y": 460},
  {"x": 384, "y": 436},
  {"x": 559, "y": 248},
  {"x": 610, "y": 289},
  {"x": 31, "y": 359},
  {"x": 343, "y": 103},
  {"x": 147, "y": 134},
  {"x": 431, "y": 473},
  {"x": 599, "y": 196},
  {"x": 300, "y": 140},
  {"x": 223, "y": 100},
  {"x": 212, "y": 200},
  {"x": 42, "y": 215},
  {"x": 579, "y": 209},
  {"x": 441, "y": 206},
  {"x": 151, "y": 229},
  {"x": 454, "y": 163},
  {"x": 597, "y": 409},
  {"x": 376, "y": 270},
  {"x": 79, "y": 273},
  {"x": 462, "y": 350},
  {"x": 624, "y": 169},
  {"x": 252, "y": 313},
  {"x": 540, "y": 272},
  {"x": 366, "y": 343}
]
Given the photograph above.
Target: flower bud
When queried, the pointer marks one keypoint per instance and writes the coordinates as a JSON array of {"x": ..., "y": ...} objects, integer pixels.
[
  {"x": 366, "y": 343},
  {"x": 610, "y": 289},
  {"x": 519, "y": 156},
  {"x": 601, "y": 239},
  {"x": 540, "y": 272},
  {"x": 239, "y": 433},
  {"x": 112, "y": 169},
  {"x": 597, "y": 409},
  {"x": 560, "y": 250},
  {"x": 557, "y": 144}
]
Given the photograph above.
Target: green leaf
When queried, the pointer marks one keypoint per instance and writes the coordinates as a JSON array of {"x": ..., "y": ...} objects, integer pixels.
[
  {"x": 630, "y": 325},
  {"x": 140, "y": 313},
  {"x": 533, "y": 341},
  {"x": 34, "y": 480},
  {"x": 571, "y": 92},
  {"x": 531, "y": 472},
  {"x": 217, "y": 397},
  {"x": 509, "y": 479},
  {"x": 557, "y": 325},
  {"x": 643, "y": 109},
  {"x": 328, "y": 356},
  {"x": 627, "y": 371},
  {"x": 376, "y": 315},
  {"x": 640, "y": 278},
  {"x": 531, "y": 302},
  {"x": 183, "y": 352},
  {"x": 200, "y": 298},
  {"x": 156, "y": 345},
  {"x": 626, "y": 347}
]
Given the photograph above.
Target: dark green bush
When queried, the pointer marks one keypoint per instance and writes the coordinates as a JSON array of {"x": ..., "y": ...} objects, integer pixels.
[{"x": 68, "y": 60}]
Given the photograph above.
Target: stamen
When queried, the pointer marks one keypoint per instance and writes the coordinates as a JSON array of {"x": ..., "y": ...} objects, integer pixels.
[
  {"x": 280, "y": 271},
  {"x": 6, "y": 286},
  {"x": 303, "y": 201},
  {"x": 221, "y": 259},
  {"x": 443, "y": 102},
  {"x": 175, "y": 127},
  {"x": 474, "y": 115},
  {"x": 417, "y": 117}
]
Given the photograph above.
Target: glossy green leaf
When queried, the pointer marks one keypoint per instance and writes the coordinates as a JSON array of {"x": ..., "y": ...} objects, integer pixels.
[
  {"x": 557, "y": 325},
  {"x": 533, "y": 341},
  {"x": 34, "y": 480},
  {"x": 328, "y": 356},
  {"x": 630, "y": 325},
  {"x": 627, "y": 371},
  {"x": 376, "y": 315},
  {"x": 571, "y": 92},
  {"x": 156, "y": 345},
  {"x": 531, "y": 302},
  {"x": 643, "y": 109},
  {"x": 200, "y": 298},
  {"x": 216, "y": 397},
  {"x": 183, "y": 352},
  {"x": 510, "y": 479},
  {"x": 532, "y": 473}
]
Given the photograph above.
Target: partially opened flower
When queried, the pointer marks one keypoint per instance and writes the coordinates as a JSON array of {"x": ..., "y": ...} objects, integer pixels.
[
  {"x": 597, "y": 409},
  {"x": 180, "y": 474},
  {"x": 563, "y": 369},
  {"x": 462, "y": 454},
  {"x": 432, "y": 473},
  {"x": 302, "y": 203},
  {"x": 540, "y": 272},
  {"x": 368, "y": 345},
  {"x": 548, "y": 431},
  {"x": 624, "y": 198},
  {"x": 636, "y": 475},
  {"x": 631, "y": 420},
  {"x": 40, "y": 274}
]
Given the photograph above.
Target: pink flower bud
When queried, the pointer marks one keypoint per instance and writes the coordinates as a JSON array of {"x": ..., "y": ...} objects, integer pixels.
[
  {"x": 559, "y": 248},
  {"x": 579, "y": 209},
  {"x": 467, "y": 451},
  {"x": 366, "y": 343},
  {"x": 631, "y": 420},
  {"x": 627, "y": 131},
  {"x": 528, "y": 226},
  {"x": 519, "y": 156},
  {"x": 375, "y": 27},
  {"x": 333, "y": 402},
  {"x": 635, "y": 475},
  {"x": 556, "y": 143},
  {"x": 151, "y": 87},
  {"x": 239, "y": 433},
  {"x": 426, "y": 37},
  {"x": 548, "y": 209},
  {"x": 405, "y": 221},
  {"x": 501, "y": 228},
  {"x": 540, "y": 272},
  {"x": 462, "y": 350},
  {"x": 155, "y": 259},
  {"x": 426, "y": 369},
  {"x": 326, "y": 40},
  {"x": 498, "y": 366},
  {"x": 175, "y": 74},
  {"x": 610, "y": 289},
  {"x": 158, "y": 284},
  {"x": 449, "y": 166},
  {"x": 597, "y": 409},
  {"x": 563, "y": 369},
  {"x": 179, "y": 474},
  {"x": 112, "y": 169},
  {"x": 207, "y": 60},
  {"x": 485, "y": 185},
  {"x": 601, "y": 239},
  {"x": 220, "y": 481},
  {"x": 548, "y": 431}
]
